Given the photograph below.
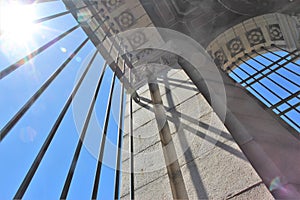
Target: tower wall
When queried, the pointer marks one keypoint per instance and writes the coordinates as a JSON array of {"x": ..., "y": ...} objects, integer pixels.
[{"x": 211, "y": 163}]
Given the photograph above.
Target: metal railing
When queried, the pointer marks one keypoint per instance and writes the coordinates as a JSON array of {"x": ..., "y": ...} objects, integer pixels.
[{"x": 6, "y": 129}]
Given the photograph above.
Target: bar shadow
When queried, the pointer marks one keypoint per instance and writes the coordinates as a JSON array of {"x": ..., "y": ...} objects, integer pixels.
[{"x": 181, "y": 127}]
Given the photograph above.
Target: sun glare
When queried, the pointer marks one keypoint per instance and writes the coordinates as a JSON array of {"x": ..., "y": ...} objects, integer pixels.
[{"x": 16, "y": 22}]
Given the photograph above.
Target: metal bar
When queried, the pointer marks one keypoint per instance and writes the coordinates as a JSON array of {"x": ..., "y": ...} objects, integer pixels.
[
  {"x": 119, "y": 144},
  {"x": 51, "y": 17},
  {"x": 282, "y": 57},
  {"x": 103, "y": 140},
  {"x": 289, "y": 109},
  {"x": 264, "y": 98},
  {"x": 120, "y": 135},
  {"x": 81, "y": 139},
  {"x": 79, "y": 145},
  {"x": 4, "y": 131},
  {"x": 93, "y": 11},
  {"x": 105, "y": 127},
  {"x": 254, "y": 90},
  {"x": 271, "y": 70},
  {"x": 102, "y": 22},
  {"x": 23, "y": 187},
  {"x": 248, "y": 85},
  {"x": 264, "y": 76},
  {"x": 131, "y": 150},
  {"x": 297, "y": 50},
  {"x": 56, "y": 15},
  {"x": 285, "y": 100},
  {"x": 34, "y": 2},
  {"x": 279, "y": 64},
  {"x": 20, "y": 62},
  {"x": 291, "y": 121},
  {"x": 266, "y": 67},
  {"x": 271, "y": 91},
  {"x": 37, "y": 1}
]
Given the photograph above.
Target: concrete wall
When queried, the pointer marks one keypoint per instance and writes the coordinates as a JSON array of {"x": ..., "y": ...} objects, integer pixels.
[{"x": 211, "y": 163}]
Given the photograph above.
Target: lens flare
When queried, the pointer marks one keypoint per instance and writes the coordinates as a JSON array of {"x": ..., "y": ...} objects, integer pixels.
[
  {"x": 28, "y": 134},
  {"x": 16, "y": 21},
  {"x": 63, "y": 49},
  {"x": 276, "y": 184}
]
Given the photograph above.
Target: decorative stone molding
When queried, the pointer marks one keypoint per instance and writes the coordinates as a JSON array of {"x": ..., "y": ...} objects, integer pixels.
[
  {"x": 252, "y": 34},
  {"x": 111, "y": 5},
  {"x": 148, "y": 64},
  {"x": 125, "y": 20}
]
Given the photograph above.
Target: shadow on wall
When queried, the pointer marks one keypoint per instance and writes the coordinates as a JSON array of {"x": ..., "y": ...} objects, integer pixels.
[{"x": 174, "y": 116}]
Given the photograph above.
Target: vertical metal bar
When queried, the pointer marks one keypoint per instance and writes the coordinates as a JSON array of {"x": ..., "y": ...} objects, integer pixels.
[
  {"x": 120, "y": 136},
  {"x": 105, "y": 127},
  {"x": 103, "y": 140},
  {"x": 20, "y": 62},
  {"x": 80, "y": 142},
  {"x": 131, "y": 150},
  {"x": 4, "y": 131},
  {"x": 81, "y": 139},
  {"x": 24, "y": 185},
  {"x": 119, "y": 144}
]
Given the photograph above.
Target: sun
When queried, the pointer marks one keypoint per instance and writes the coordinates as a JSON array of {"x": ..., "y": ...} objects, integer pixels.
[{"x": 16, "y": 22}]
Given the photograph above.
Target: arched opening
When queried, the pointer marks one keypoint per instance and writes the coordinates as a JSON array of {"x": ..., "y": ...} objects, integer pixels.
[{"x": 273, "y": 78}]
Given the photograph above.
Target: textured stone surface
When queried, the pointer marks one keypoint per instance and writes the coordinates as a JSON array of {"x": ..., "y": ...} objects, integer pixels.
[
  {"x": 149, "y": 165},
  {"x": 257, "y": 192},
  {"x": 157, "y": 189},
  {"x": 176, "y": 78},
  {"x": 218, "y": 174},
  {"x": 212, "y": 164},
  {"x": 178, "y": 95},
  {"x": 143, "y": 138},
  {"x": 140, "y": 117},
  {"x": 197, "y": 139}
]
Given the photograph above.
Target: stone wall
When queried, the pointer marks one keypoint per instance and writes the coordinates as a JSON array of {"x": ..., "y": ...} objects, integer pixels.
[{"x": 212, "y": 165}]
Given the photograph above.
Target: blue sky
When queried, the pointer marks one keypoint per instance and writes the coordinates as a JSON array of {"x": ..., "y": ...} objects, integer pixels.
[{"x": 19, "y": 148}]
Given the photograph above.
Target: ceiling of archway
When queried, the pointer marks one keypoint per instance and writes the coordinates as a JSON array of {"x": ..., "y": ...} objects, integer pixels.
[{"x": 204, "y": 20}]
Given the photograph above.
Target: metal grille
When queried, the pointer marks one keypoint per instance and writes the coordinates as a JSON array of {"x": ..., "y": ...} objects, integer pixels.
[
  {"x": 25, "y": 179},
  {"x": 273, "y": 77}
]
